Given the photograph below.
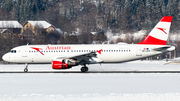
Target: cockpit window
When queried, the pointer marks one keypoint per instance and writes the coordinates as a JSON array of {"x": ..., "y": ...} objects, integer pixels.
[{"x": 13, "y": 51}]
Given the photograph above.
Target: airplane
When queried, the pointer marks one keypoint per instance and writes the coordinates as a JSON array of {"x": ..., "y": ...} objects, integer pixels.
[{"x": 68, "y": 56}]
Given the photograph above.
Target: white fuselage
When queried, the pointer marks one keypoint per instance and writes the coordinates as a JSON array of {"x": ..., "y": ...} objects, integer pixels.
[{"x": 114, "y": 53}]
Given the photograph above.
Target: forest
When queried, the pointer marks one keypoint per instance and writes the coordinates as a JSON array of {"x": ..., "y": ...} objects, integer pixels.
[{"x": 85, "y": 16}]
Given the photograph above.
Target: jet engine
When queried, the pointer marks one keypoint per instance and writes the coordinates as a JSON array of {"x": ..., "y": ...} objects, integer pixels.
[{"x": 62, "y": 64}]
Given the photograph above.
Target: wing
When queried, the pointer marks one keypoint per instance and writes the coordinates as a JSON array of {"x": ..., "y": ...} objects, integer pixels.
[{"x": 83, "y": 58}]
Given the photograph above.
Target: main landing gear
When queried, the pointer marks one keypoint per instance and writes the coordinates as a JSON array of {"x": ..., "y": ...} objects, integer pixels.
[
  {"x": 26, "y": 68},
  {"x": 84, "y": 69}
]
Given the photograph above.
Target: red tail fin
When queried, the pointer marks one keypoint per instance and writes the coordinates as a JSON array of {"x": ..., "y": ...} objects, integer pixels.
[{"x": 159, "y": 34}]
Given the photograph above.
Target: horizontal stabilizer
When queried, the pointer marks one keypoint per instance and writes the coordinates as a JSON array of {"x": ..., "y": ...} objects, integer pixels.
[{"x": 167, "y": 48}]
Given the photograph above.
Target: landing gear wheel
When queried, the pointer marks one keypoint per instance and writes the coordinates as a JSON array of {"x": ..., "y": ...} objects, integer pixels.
[
  {"x": 87, "y": 69},
  {"x": 84, "y": 69},
  {"x": 25, "y": 70}
]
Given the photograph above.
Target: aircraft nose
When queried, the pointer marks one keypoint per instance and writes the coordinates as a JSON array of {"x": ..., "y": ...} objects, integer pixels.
[{"x": 4, "y": 57}]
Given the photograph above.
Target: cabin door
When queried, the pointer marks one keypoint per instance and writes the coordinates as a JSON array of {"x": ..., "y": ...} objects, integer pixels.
[
  {"x": 24, "y": 52},
  {"x": 138, "y": 51}
]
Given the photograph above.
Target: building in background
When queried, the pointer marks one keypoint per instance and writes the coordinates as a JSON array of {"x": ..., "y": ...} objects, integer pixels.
[
  {"x": 10, "y": 28},
  {"x": 34, "y": 26}
]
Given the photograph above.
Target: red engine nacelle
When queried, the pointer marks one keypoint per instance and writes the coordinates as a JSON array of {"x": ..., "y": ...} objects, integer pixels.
[{"x": 60, "y": 64}]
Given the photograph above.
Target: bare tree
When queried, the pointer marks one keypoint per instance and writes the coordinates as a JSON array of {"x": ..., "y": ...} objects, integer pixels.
[
  {"x": 85, "y": 36},
  {"x": 119, "y": 40},
  {"x": 27, "y": 37}
]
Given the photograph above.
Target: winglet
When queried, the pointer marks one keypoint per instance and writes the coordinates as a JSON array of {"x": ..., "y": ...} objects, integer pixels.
[{"x": 159, "y": 34}]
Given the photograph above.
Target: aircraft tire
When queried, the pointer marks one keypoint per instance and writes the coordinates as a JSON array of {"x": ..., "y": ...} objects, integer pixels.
[
  {"x": 87, "y": 69},
  {"x": 25, "y": 70},
  {"x": 84, "y": 69}
]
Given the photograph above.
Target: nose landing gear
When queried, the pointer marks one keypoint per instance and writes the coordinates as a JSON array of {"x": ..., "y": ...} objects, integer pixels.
[{"x": 26, "y": 68}]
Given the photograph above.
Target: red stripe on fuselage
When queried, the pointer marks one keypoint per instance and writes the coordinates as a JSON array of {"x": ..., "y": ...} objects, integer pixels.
[
  {"x": 153, "y": 41},
  {"x": 37, "y": 49}
]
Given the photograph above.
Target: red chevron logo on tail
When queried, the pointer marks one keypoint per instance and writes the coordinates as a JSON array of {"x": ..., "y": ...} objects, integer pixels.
[{"x": 162, "y": 29}]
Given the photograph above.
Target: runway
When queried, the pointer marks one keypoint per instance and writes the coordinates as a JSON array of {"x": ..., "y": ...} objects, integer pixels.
[
  {"x": 90, "y": 72},
  {"x": 131, "y": 67}
]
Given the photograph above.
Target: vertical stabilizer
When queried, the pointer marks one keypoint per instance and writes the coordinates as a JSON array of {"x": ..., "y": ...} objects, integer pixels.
[{"x": 159, "y": 34}]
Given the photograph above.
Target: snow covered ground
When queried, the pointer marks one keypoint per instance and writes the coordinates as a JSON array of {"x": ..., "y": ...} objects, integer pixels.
[{"x": 91, "y": 86}]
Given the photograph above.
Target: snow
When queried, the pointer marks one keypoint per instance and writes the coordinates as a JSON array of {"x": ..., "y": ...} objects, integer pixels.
[
  {"x": 174, "y": 36},
  {"x": 92, "y": 86},
  {"x": 137, "y": 35},
  {"x": 59, "y": 30},
  {"x": 2, "y": 30},
  {"x": 114, "y": 36},
  {"x": 42, "y": 24},
  {"x": 10, "y": 24}
]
